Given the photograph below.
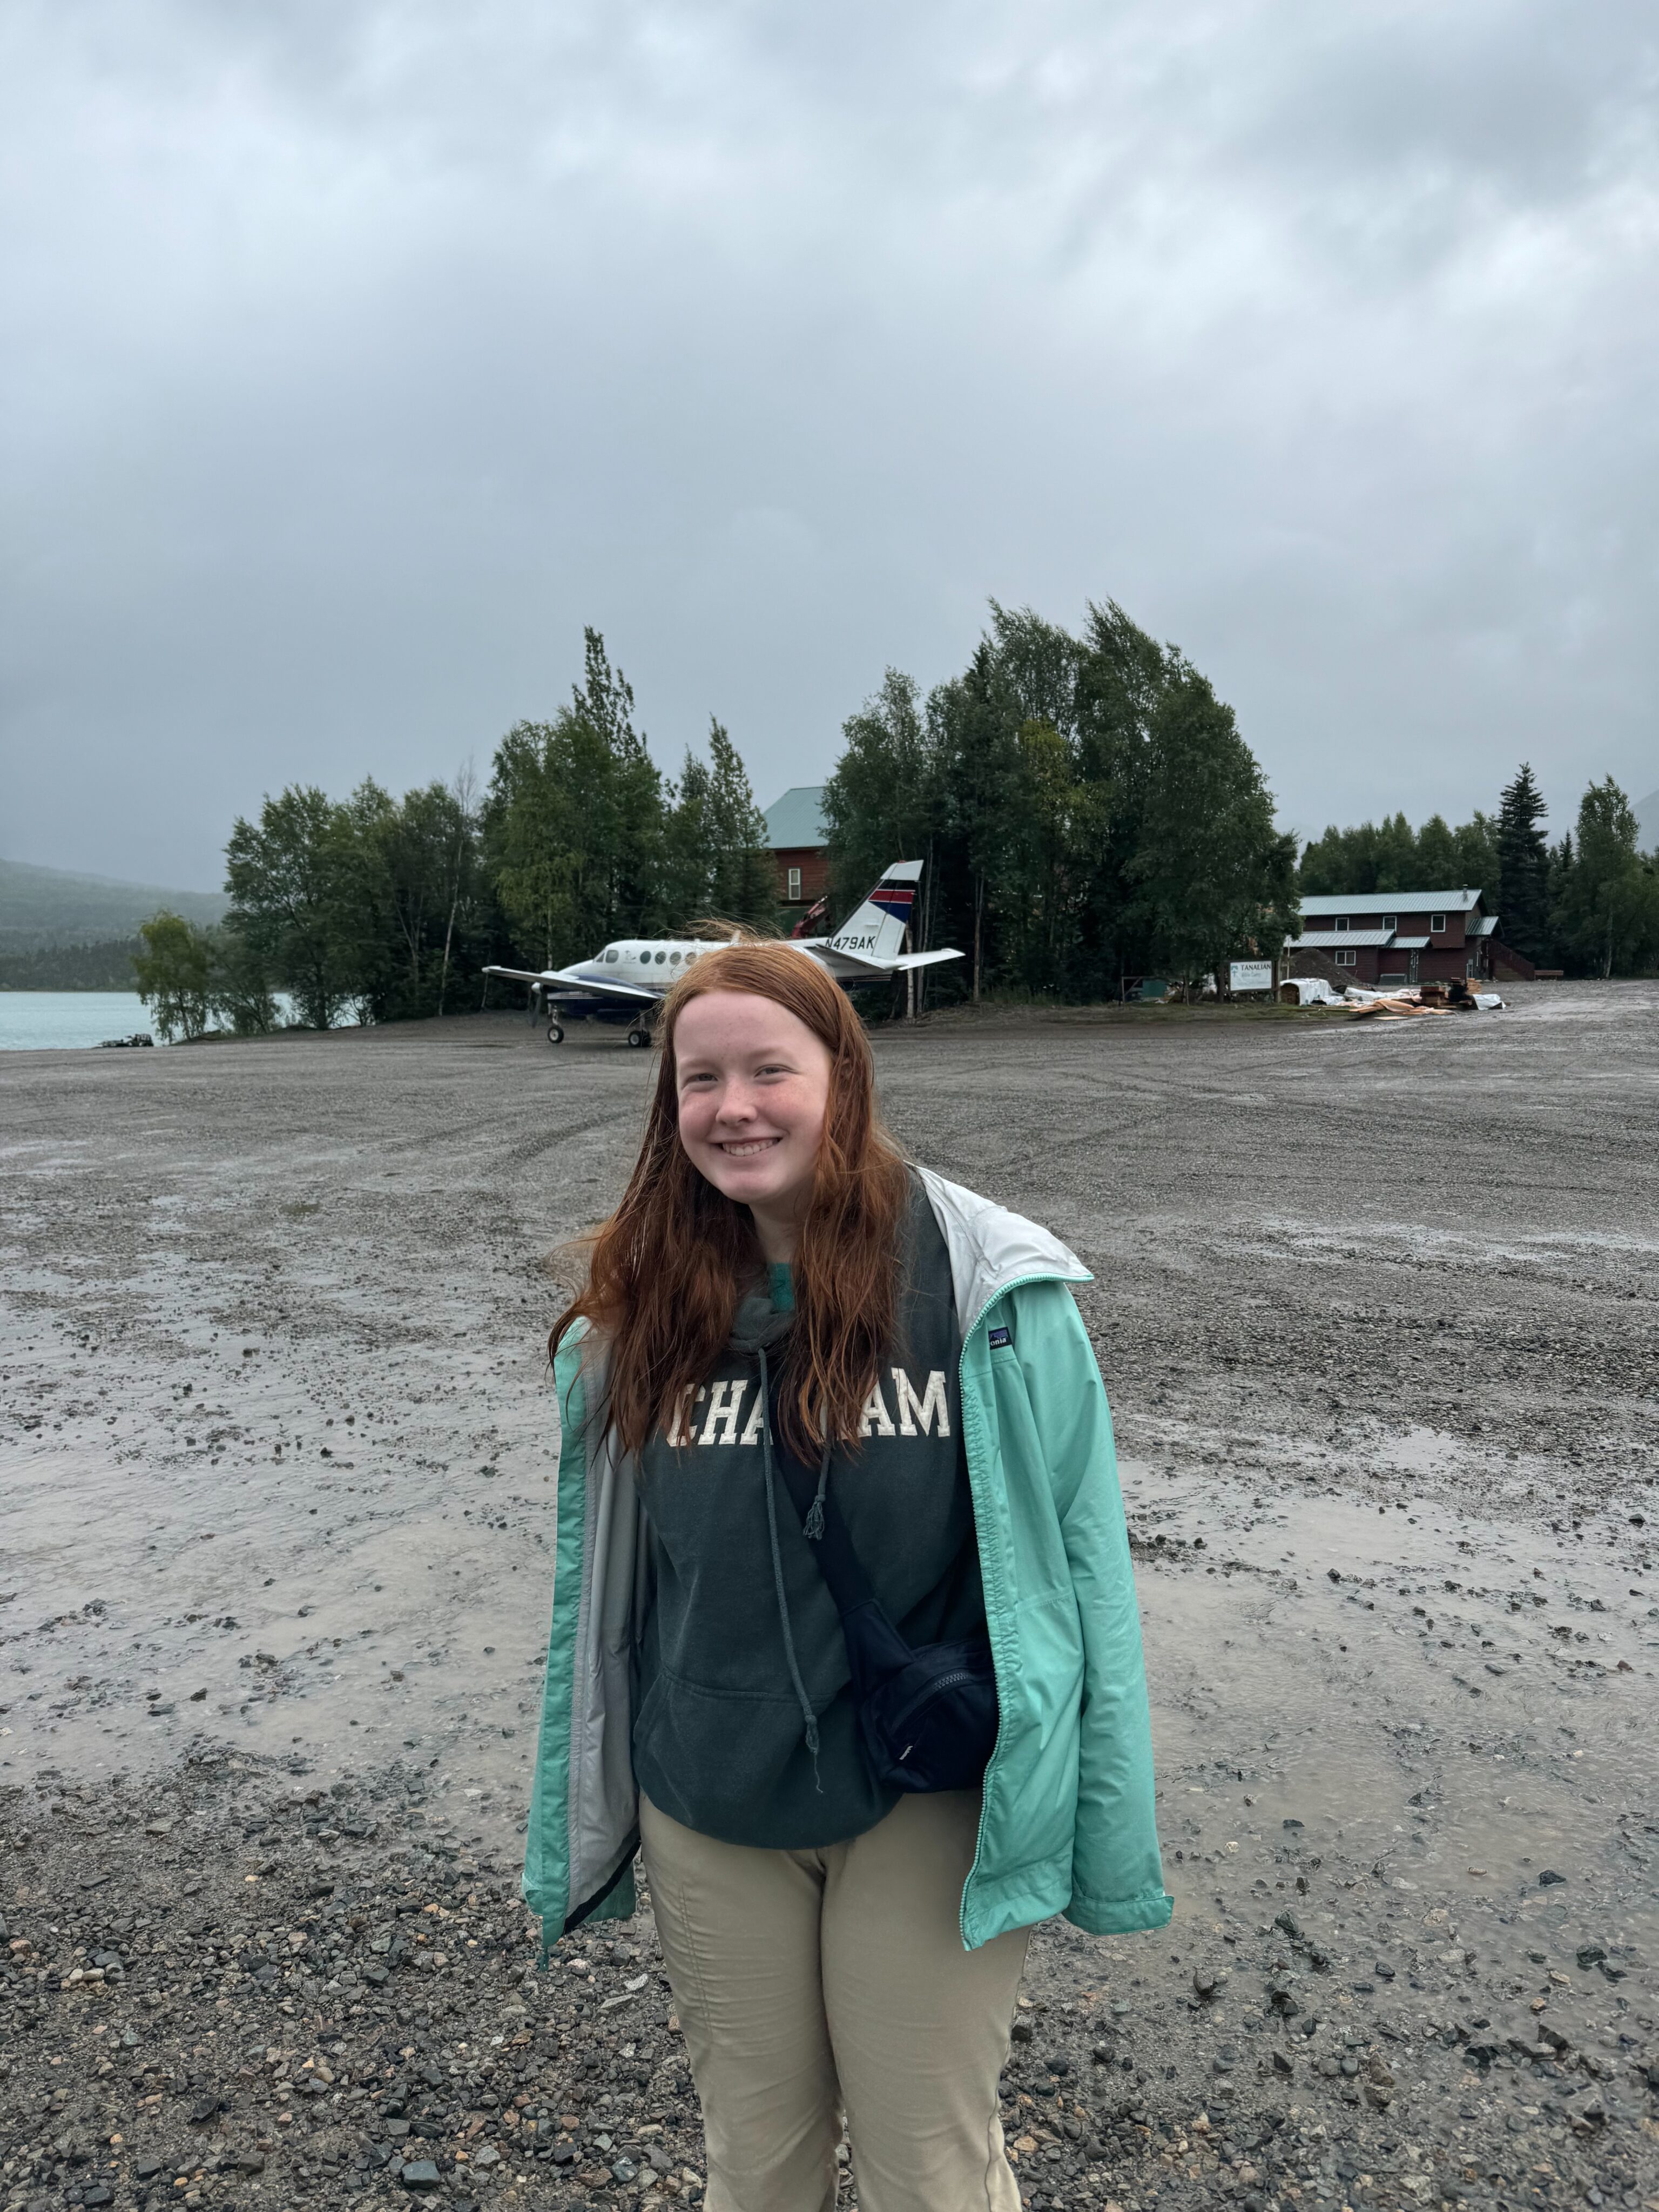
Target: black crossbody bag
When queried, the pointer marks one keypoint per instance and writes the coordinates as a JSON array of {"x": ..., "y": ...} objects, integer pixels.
[{"x": 927, "y": 1716}]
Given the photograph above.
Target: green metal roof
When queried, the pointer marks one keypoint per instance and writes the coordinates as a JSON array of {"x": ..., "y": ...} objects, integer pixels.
[
  {"x": 1323, "y": 940},
  {"x": 1316, "y": 905},
  {"x": 797, "y": 819}
]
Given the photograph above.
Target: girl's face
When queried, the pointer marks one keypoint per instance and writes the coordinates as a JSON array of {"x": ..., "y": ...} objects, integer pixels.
[{"x": 754, "y": 1085}]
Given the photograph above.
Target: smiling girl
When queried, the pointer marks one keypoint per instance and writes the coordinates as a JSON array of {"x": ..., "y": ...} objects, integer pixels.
[{"x": 844, "y": 1636}]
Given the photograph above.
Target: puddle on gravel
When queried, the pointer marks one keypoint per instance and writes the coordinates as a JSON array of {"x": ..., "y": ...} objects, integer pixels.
[
  {"x": 1464, "y": 1704},
  {"x": 379, "y": 1603}
]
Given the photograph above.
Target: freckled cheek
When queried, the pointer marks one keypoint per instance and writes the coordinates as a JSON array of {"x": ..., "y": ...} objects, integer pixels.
[{"x": 696, "y": 1119}]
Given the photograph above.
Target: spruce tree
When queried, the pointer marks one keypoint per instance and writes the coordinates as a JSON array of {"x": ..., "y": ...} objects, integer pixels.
[
  {"x": 744, "y": 884},
  {"x": 1522, "y": 886}
]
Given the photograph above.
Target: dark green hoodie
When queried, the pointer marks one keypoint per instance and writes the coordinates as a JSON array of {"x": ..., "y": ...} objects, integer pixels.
[{"x": 719, "y": 1738}]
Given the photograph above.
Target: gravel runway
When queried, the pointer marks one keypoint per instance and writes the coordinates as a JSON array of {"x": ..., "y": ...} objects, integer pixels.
[{"x": 1379, "y": 1311}]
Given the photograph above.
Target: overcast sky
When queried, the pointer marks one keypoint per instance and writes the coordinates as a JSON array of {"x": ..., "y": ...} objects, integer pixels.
[{"x": 352, "y": 356}]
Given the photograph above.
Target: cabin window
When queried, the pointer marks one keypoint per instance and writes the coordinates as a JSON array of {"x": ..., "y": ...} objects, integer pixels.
[
  {"x": 1341, "y": 922},
  {"x": 673, "y": 959},
  {"x": 1391, "y": 921},
  {"x": 1436, "y": 924},
  {"x": 1348, "y": 959},
  {"x": 794, "y": 883},
  {"x": 661, "y": 956}
]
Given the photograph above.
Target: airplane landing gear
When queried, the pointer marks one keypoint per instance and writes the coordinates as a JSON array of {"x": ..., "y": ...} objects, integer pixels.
[
  {"x": 555, "y": 1033},
  {"x": 638, "y": 1037}
]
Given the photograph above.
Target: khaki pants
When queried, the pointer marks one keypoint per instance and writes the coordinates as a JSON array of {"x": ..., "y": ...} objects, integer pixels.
[{"x": 808, "y": 1981}]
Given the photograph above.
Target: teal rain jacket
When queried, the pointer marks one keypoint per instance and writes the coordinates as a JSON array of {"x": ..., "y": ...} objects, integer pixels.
[{"x": 1067, "y": 1821}]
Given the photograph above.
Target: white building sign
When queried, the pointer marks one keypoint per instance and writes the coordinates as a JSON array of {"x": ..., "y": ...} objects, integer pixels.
[{"x": 1252, "y": 975}]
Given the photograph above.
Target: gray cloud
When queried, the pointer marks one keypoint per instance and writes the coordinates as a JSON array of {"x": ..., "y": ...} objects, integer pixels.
[{"x": 354, "y": 355}]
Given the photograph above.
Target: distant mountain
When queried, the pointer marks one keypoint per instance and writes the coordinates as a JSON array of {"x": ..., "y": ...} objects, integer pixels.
[
  {"x": 51, "y": 906},
  {"x": 1647, "y": 822}
]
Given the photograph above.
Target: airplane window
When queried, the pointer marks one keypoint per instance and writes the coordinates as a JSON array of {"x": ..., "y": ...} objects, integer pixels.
[
  {"x": 661, "y": 956},
  {"x": 673, "y": 959},
  {"x": 612, "y": 955}
]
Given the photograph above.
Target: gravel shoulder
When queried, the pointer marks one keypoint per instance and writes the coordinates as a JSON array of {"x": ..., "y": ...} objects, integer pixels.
[{"x": 1379, "y": 1311}]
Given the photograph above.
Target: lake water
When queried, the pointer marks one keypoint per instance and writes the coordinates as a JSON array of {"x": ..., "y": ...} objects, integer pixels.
[
  {"x": 33, "y": 1021},
  {"x": 46, "y": 1021}
]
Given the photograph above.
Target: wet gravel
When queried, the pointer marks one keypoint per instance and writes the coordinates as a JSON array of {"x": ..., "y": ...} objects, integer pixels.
[{"x": 1376, "y": 1309}]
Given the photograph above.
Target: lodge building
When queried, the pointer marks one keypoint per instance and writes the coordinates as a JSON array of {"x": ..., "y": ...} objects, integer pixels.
[
  {"x": 1386, "y": 939},
  {"x": 796, "y": 833}
]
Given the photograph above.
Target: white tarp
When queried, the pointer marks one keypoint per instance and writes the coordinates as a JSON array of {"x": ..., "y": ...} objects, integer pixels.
[
  {"x": 1315, "y": 991},
  {"x": 1310, "y": 991}
]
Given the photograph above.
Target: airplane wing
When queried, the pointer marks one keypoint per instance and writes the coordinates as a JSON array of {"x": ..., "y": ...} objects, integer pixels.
[
  {"x": 851, "y": 969},
  {"x": 926, "y": 959},
  {"x": 579, "y": 983},
  {"x": 847, "y": 965},
  {"x": 517, "y": 975}
]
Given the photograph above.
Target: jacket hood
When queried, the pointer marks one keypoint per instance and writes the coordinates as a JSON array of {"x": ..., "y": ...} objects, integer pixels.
[
  {"x": 758, "y": 1325},
  {"x": 992, "y": 1249}
]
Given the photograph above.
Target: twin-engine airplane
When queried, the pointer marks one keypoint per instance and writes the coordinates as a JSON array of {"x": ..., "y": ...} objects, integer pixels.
[{"x": 634, "y": 973}]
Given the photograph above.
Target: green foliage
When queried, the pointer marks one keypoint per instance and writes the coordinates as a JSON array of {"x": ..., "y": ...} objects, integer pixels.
[
  {"x": 1456, "y": 859},
  {"x": 438, "y": 863},
  {"x": 239, "y": 984},
  {"x": 574, "y": 822},
  {"x": 1086, "y": 807},
  {"x": 1214, "y": 872},
  {"x": 887, "y": 799},
  {"x": 715, "y": 861},
  {"x": 374, "y": 904},
  {"x": 189, "y": 977},
  {"x": 174, "y": 975},
  {"x": 416, "y": 885},
  {"x": 296, "y": 898},
  {"x": 1523, "y": 885},
  {"x": 1390, "y": 856},
  {"x": 389, "y": 908},
  {"x": 687, "y": 871},
  {"x": 1606, "y": 904},
  {"x": 584, "y": 841},
  {"x": 1083, "y": 804}
]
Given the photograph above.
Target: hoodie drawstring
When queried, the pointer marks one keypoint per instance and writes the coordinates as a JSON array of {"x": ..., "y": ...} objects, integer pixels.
[
  {"x": 807, "y": 1714},
  {"x": 813, "y": 1526}
]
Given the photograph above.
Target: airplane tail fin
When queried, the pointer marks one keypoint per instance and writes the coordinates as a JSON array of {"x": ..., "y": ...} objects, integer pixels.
[{"x": 877, "y": 930}]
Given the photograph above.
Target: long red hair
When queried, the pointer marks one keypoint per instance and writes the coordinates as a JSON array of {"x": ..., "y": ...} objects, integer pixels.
[{"x": 665, "y": 1272}]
